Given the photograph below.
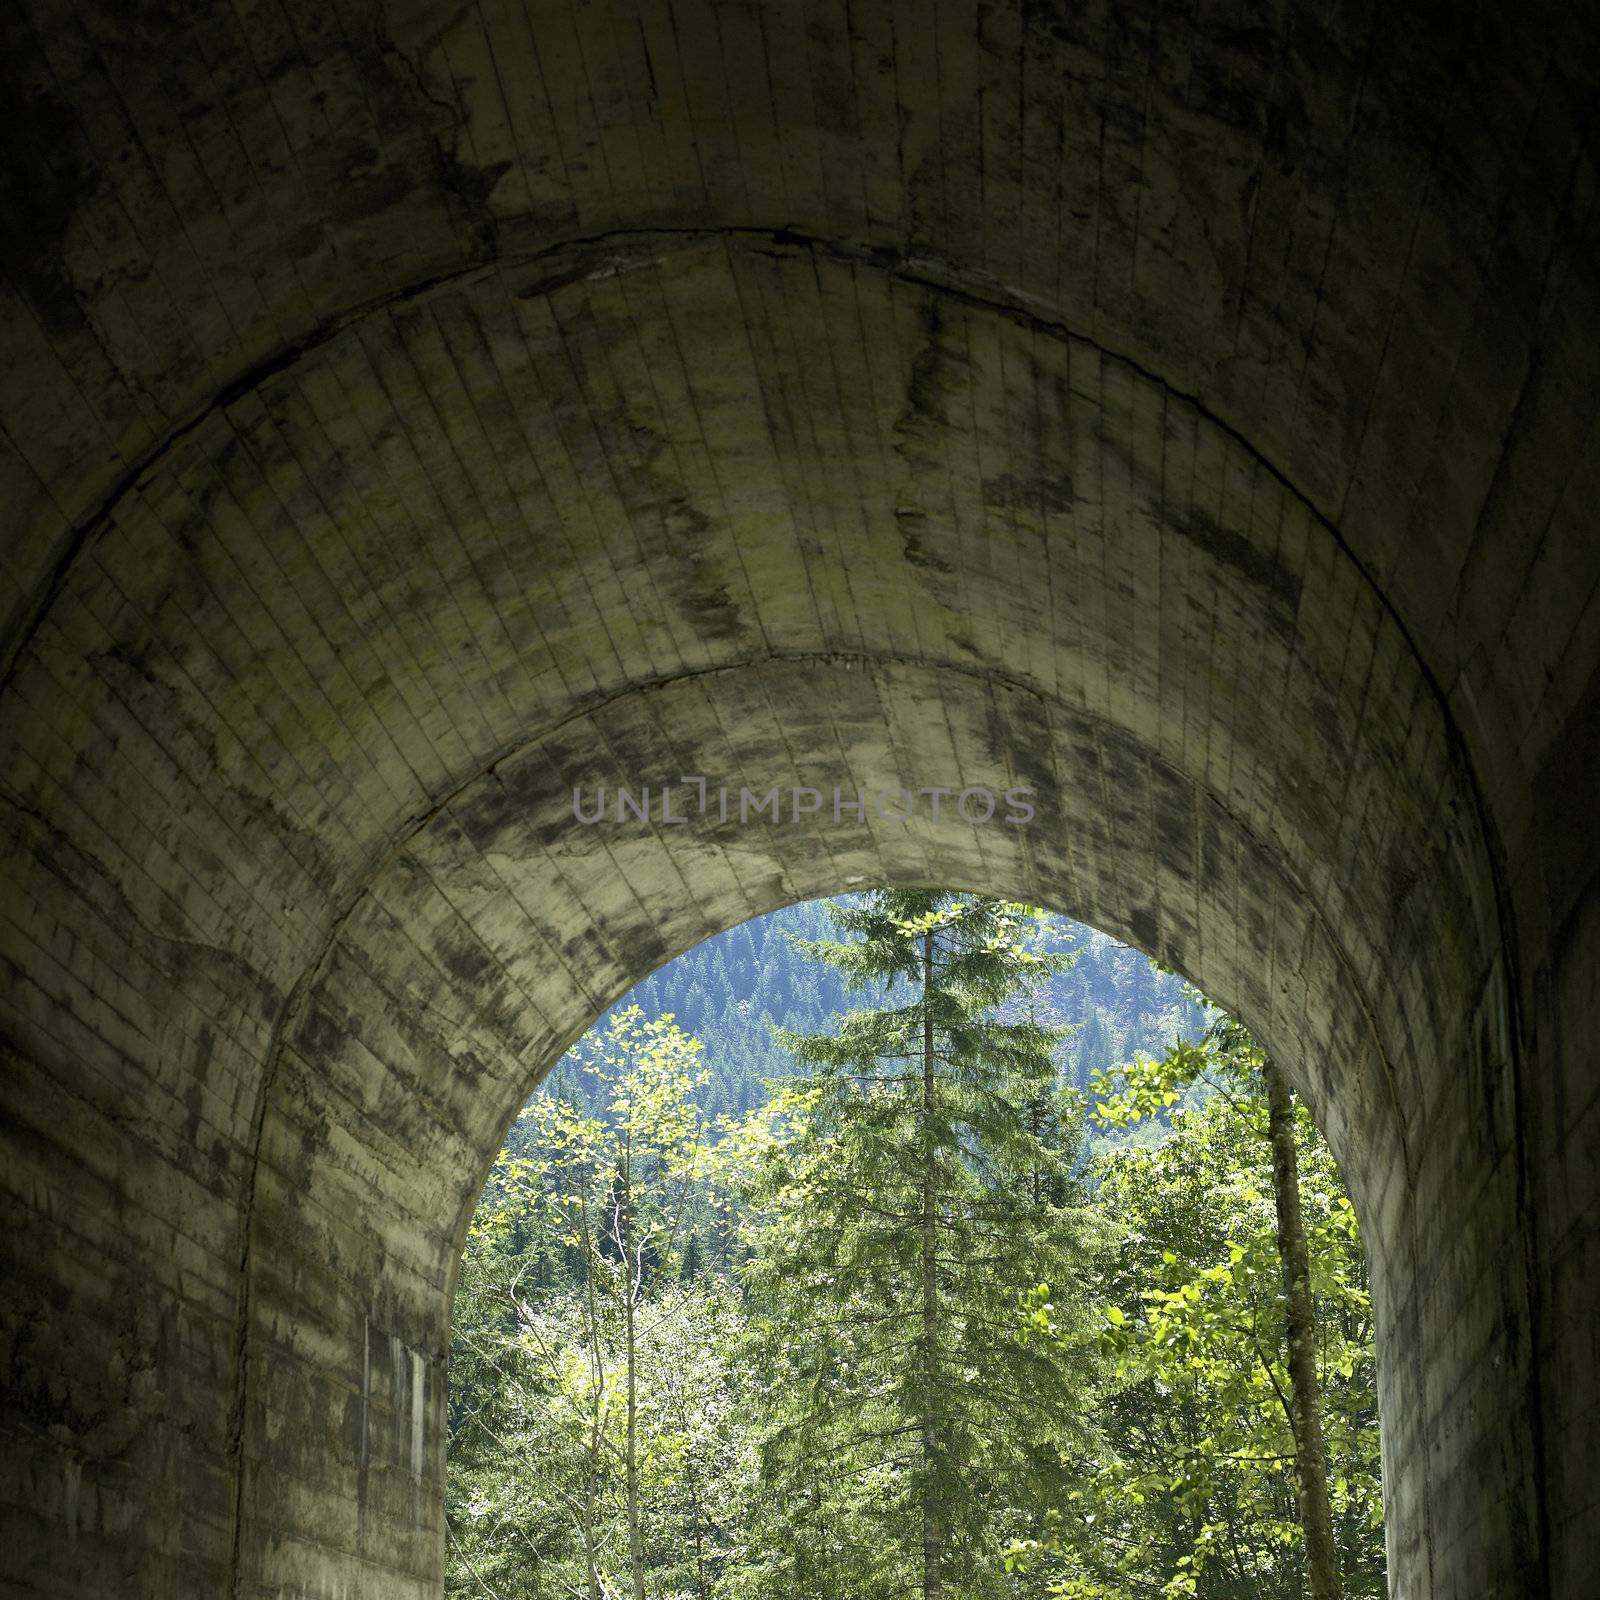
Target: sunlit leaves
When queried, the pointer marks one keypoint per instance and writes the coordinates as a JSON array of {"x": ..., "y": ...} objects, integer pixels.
[{"x": 1194, "y": 1495}]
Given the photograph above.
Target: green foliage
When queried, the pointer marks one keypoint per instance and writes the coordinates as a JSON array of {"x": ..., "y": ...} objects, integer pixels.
[
  {"x": 1193, "y": 1493},
  {"x": 693, "y": 1290},
  {"x": 914, "y": 1187},
  {"x": 589, "y": 1383}
]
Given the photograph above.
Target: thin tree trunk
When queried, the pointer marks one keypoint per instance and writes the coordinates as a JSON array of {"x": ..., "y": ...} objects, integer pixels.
[
  {"x": 596, "y": 1431},
  {"x": 701, "y": 1582},
  {"x": 635, "y": 1530},
  {"x": 591, "y": 1565},
  {"x": 810, "y": 1565},
  {"x": 1311, "y": 1460},
  {"x": 591, "y": 1487},
  {"x": 477, "y": 1577},
  {"x": 932, "y": 1530},
  {"x": 629, "y": 1294}
]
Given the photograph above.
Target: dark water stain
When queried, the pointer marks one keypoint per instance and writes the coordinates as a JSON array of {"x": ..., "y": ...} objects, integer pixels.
[
  {"x": 1019, "y": 737},
  {"x": 470, "y": 965},
  {"x": 677, "y": 536},
  {"x": 417, "y": 107},
  {"x": 138, "y": 680},
  {"x": 1260, "y": 567},
  {"x": 1037, "y": 491},
  {"x": 939, "y": 371},
  {"x": 46, "y": 175},
  {"x": 913, "y": 526},
  {"x": 319, "y": 1038},
  {"x": 1145, "y": 929}
]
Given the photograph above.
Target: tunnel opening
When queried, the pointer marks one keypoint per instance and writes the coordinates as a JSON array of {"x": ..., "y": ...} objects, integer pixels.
[
  {"x": 1189, "y": 424},
  {"x": 1177, "y": 1288}
]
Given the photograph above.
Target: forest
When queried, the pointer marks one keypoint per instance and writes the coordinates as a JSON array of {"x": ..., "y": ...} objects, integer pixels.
[{"x": 913, "y": 1244}]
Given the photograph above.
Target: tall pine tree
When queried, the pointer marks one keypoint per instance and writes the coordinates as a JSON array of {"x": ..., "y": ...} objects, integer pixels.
[{"x": 916, "y": 1198}]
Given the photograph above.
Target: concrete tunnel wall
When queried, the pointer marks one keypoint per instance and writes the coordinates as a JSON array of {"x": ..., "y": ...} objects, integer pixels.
[{"x": 414, "y": 415}]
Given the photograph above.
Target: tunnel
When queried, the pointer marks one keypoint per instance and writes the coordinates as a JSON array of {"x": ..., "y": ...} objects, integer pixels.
[{"x": 420, "y": 419}]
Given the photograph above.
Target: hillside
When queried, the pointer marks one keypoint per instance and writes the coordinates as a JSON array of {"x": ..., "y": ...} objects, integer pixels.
[{"x": 728, "y": 990}]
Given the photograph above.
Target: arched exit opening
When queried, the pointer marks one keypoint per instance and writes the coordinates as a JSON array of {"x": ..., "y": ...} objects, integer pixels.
[{"x": 723, "y": 1308}]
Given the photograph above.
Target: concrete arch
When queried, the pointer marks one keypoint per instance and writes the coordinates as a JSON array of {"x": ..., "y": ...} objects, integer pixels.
[{"x": 371, "y": 486}]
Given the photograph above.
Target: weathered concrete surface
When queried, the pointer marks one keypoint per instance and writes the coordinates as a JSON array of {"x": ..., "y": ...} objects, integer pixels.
[{"x": 411, "y": 413}]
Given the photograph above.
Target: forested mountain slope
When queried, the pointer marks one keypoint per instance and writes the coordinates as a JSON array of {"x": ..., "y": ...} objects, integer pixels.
[{"x": 728, "y": 991}]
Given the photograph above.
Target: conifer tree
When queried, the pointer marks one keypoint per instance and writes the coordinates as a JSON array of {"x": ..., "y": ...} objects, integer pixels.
[{"x": 917, "y": 1208}]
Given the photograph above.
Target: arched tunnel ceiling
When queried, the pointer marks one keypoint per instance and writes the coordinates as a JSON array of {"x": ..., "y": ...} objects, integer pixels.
[
  {"x": 300, "y": 732},
  {"x": 1362, "y": 239},
  {"x": 343, "y": 596},
  {"x": 411, "y": 410}
]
